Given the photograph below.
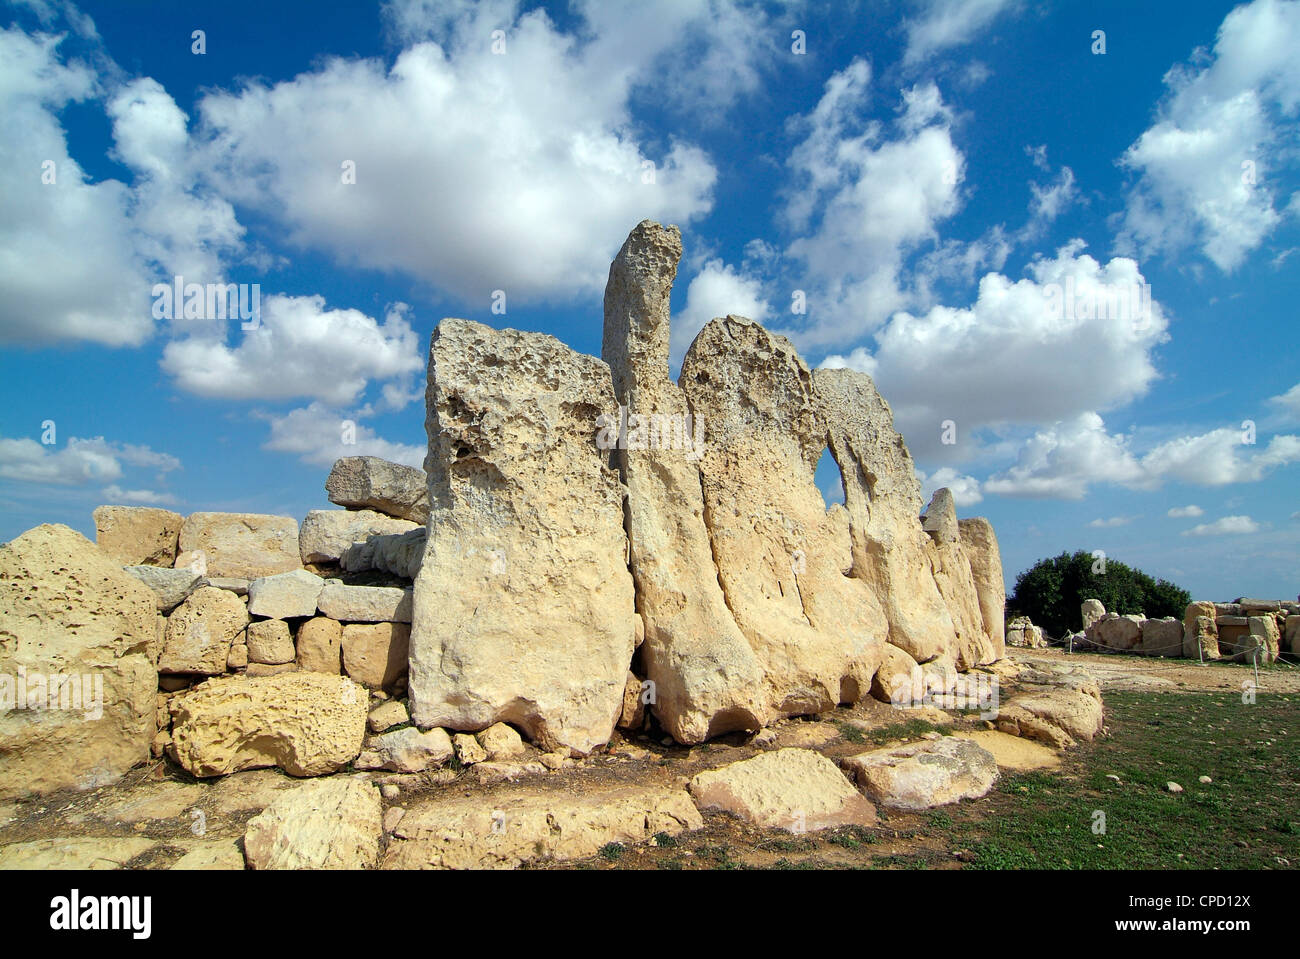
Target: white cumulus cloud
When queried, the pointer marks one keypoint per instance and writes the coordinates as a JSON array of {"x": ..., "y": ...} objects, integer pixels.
[
  {"x": 1205, "y": 169},
  {"x": 1227, "y": 526},
  {"x": 299, "y": 349}
]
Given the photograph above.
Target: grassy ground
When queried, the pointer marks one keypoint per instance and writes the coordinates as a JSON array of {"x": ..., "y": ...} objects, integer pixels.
[{"x": 1247, "y": 817}]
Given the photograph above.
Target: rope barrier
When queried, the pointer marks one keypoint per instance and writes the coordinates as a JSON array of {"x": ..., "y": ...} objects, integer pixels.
[{"x": 1158, "y": 666}]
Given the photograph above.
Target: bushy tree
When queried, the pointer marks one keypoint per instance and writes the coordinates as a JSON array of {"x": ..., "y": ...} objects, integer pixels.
[{"x": 1051, "y": 591}]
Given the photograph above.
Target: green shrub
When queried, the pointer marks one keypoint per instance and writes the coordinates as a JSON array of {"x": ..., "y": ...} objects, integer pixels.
[{"x": 1051, "y": 590}]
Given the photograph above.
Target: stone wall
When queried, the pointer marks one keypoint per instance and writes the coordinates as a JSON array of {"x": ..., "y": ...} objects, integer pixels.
[{"x": 1245, "y": 630}]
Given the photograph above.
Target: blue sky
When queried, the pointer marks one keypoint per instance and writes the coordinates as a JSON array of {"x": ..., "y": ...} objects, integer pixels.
[{"x": 928, "y": 178}]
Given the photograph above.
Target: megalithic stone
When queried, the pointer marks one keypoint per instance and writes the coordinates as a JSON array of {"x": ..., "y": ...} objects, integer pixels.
[
  {"x": 952, "y": 574},
  {"x": 783, "y": 560},
  {"x": 707, "y": 680},
  {"x": 981, "y": 545},
  {"x": 524, "y": 606},
  {"x": 883, "y": 499}
]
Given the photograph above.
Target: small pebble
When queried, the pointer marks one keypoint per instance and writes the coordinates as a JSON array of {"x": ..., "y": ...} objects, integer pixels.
[
  {"x": 1206, "y": 779},
  {"x": 390, "y": 790},
  {"x": 1173, "y": 787}
]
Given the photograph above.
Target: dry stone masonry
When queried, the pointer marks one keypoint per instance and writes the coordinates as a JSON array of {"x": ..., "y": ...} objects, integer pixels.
[{"x": 1244, "y": 631}]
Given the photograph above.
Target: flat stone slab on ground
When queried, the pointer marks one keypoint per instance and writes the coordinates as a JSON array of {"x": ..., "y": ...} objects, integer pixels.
[
  {"x": 82, "y": 852},
  {"x": 793, "y": 789},
  {"x": 333, "y": 823},
  {"x": 925, "y": 774},
  {"x": 520, "y": 824}
]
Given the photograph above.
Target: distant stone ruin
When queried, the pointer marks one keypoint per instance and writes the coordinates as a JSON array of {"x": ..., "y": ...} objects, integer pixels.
[{"x": 1245, "y": 630}]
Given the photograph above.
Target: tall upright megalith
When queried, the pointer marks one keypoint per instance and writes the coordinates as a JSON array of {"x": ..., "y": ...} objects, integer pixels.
[
  {"x": 707, "y": 680},
  {"x": 523, "y": 602},
  {"x": 883, "y": 499},
  {"x": 783, "y": 560},
  {"x": 981, "y": 546}
]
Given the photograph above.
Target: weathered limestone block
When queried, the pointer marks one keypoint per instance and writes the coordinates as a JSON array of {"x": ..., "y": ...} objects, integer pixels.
[
  {"x": 501, "y": 742},
  {"x": 327, "y": 533},
  {"x": 1262, "y": 641},
  {"x": 320, "y": 645},
  {"x": 1293, "y": 634},
  {"x": 233, "y": 583},
  {"x": 242, "y": 545},
  {"x": 1091, "y": 610},
  {"x": 269, "y": 642},
  {"x": 285, "y": 595},
  {"x": 981, "y": 546},
  {"x": 365, "y": 604},
  {"x": 334, "y": 823},
  {"x": 528, "y": 824},
  {"x": 895, "y": 674},
  {"x": 200, "y": 632},
  {"x": 73, "y": 622},
  {"x": 925, "y": 774},
  {"x": 1061, "y": 716},
  {"x": 308, "y": 724},
  {"x": 782, "y": 559},
  {"x": 170, "y": 586},
  {"x": 1162, "y": 637},
  {"x": 1021, "y": 632},
  {"x": 468, "y": 749},
  {"x": 376, "y": 655},
  {"x": 633, "y": 715},
  {"x": 138, "y": 535},
  {"x": 73, "y": 852},
  {"x": 883, "y": 499},
  {"x": 408, "y": 750},
  {"x": 952, "y": 574},
  {"x": 368, "y": 482},
  {"x": 707, "y": 678},
  {"x": 793, "y": 789},
  {"x": 399, "y": 554},
  {"x": 1200, "y": 632},
  {"x": 524, "y": 603},
  {"x": 1116, "y": 632}
]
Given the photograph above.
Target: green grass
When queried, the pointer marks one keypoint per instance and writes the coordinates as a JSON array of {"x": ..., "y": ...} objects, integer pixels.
[
  {"x": 1244, "y": 819},
  {"x": 912, "y": 729}
]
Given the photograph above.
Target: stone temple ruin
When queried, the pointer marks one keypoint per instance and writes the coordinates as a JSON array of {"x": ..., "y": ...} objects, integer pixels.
[
  {"x": 747, "y": 599},
  {"x": 592, "y": 553}
]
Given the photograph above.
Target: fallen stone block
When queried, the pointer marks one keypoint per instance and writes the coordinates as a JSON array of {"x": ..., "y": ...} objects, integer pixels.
[
  {"x": 925, "y": 774},
  {"x": 531, "y": 823},
  {"x": 797, "y": 790},
  {"x": 334, "y": 823}
]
